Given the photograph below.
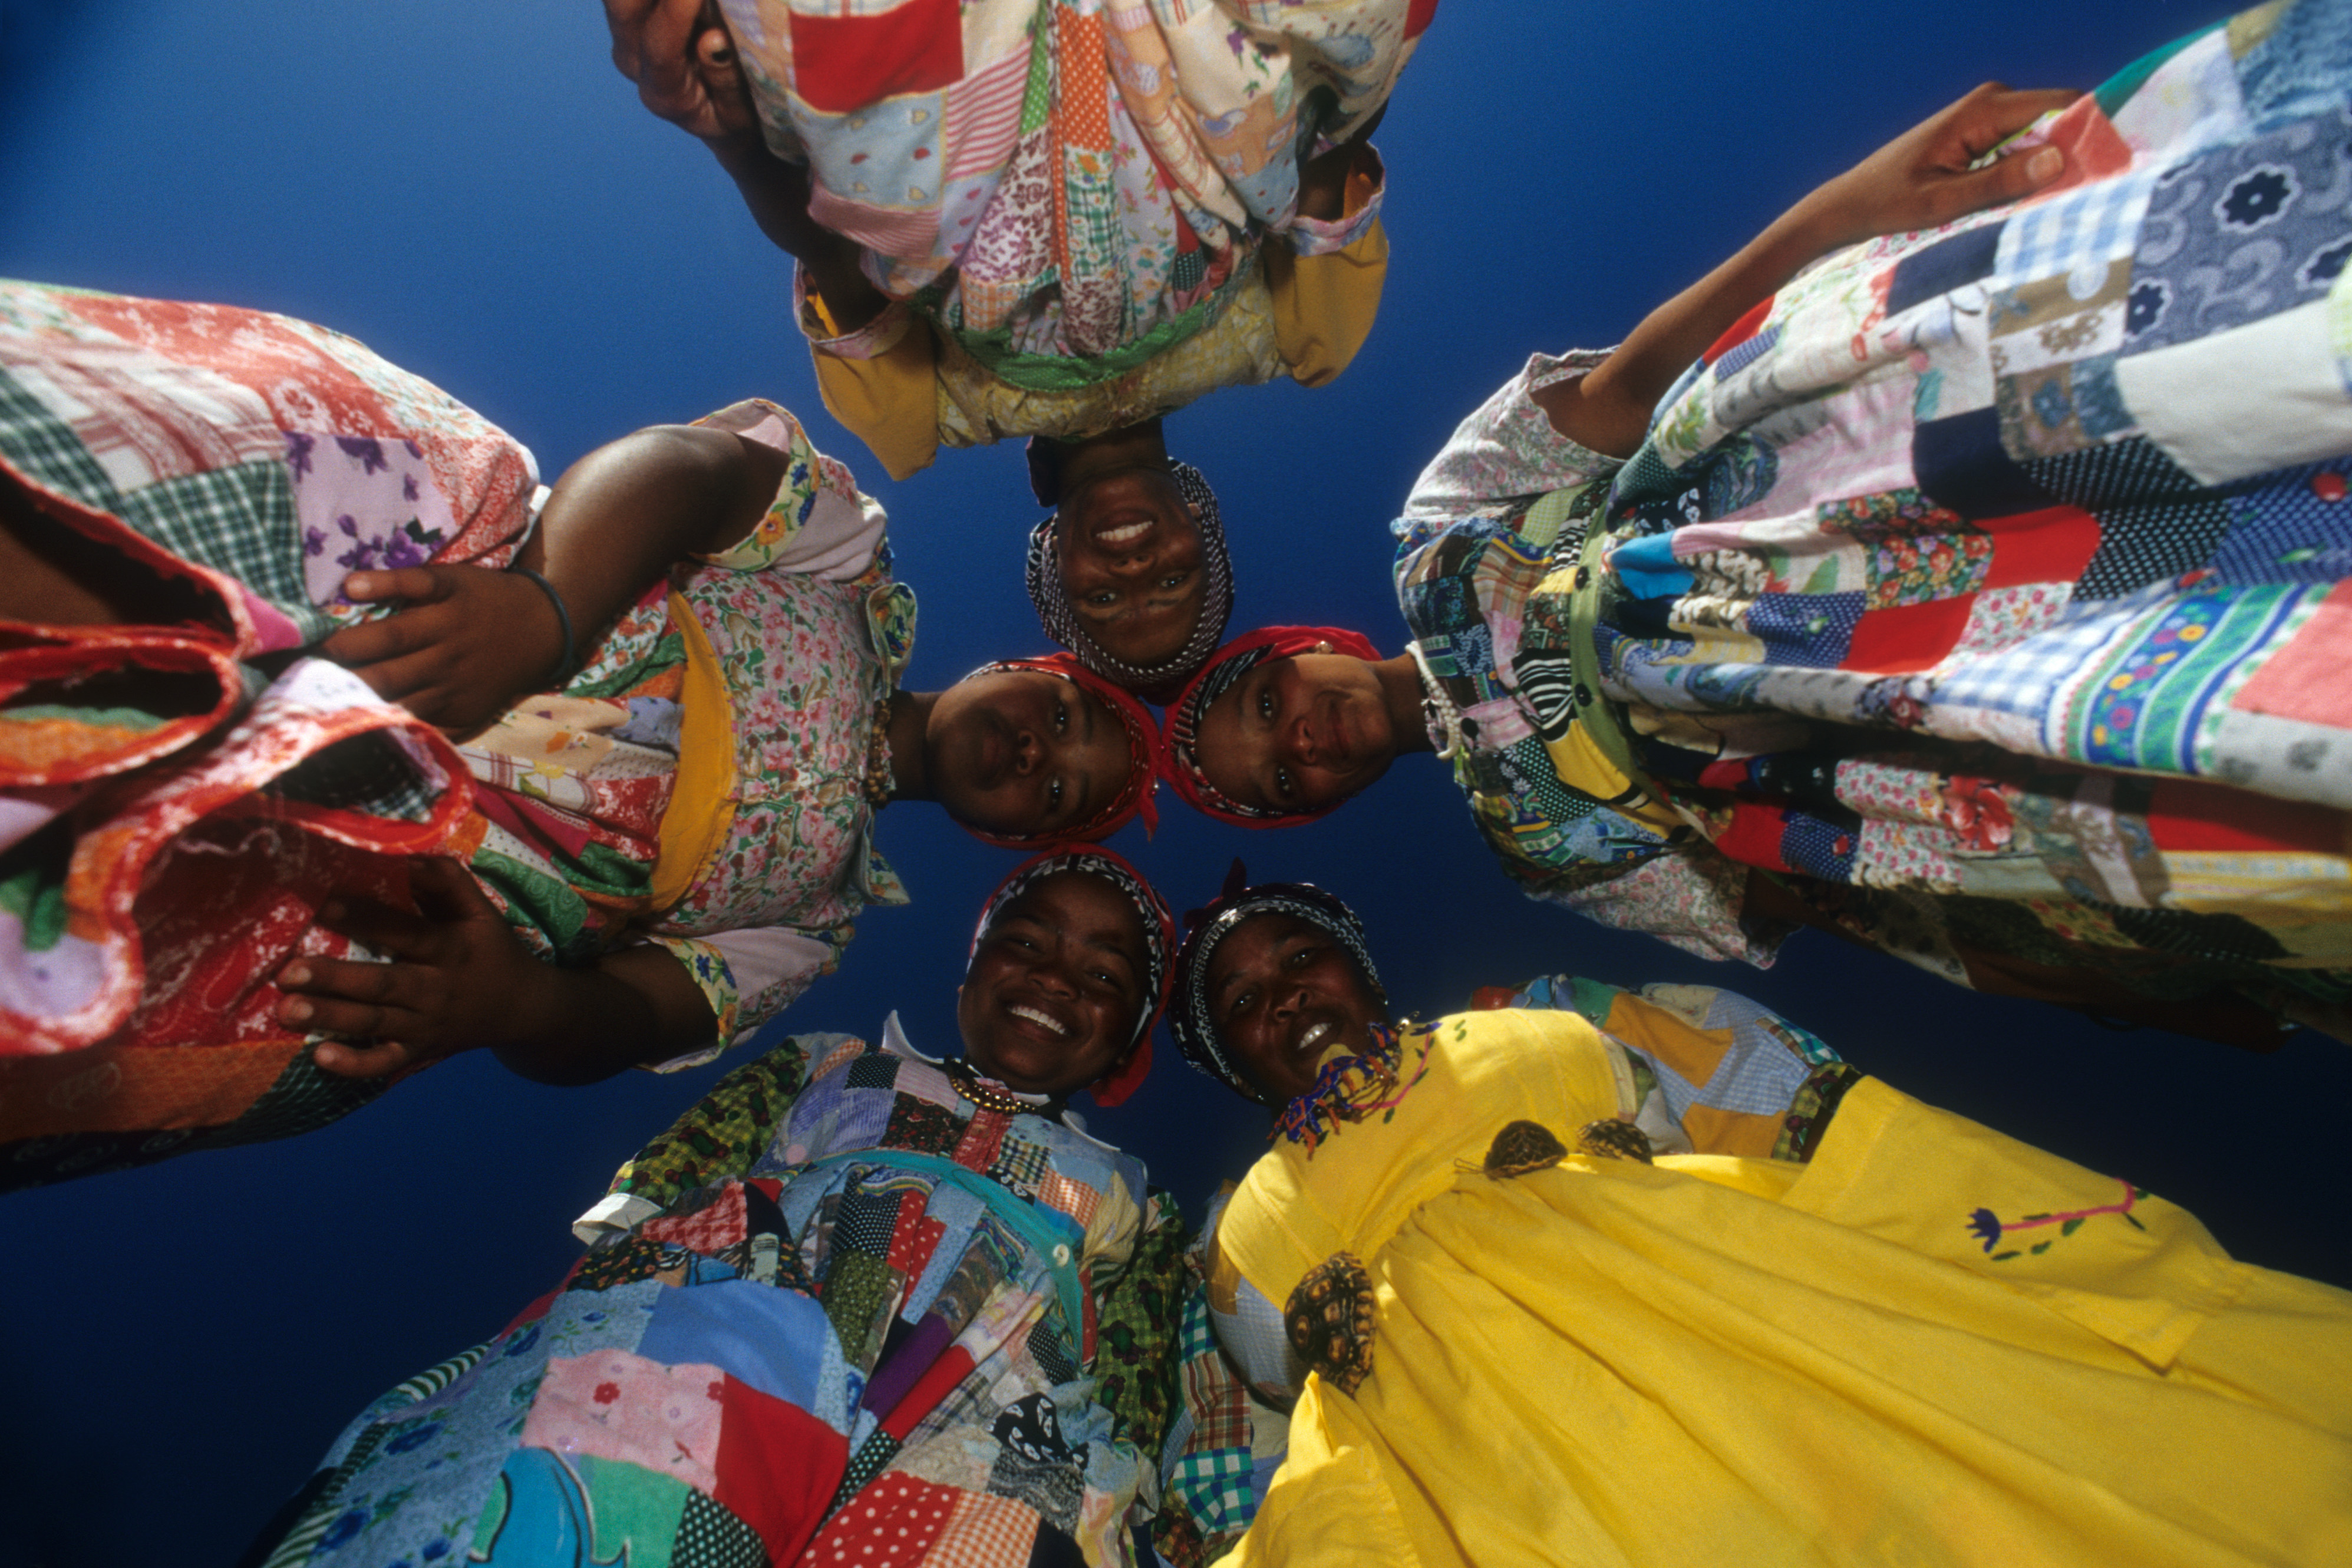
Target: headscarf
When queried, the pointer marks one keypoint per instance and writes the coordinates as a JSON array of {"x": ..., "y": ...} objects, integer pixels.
[
  {"x": 1188, "y": 1006},
  {"x": 1159, "y": 946},
  {"x": 1181, "y": 738},
  {"x": 1048, "y": 594},
  {"x": 1135, "y": 797}
]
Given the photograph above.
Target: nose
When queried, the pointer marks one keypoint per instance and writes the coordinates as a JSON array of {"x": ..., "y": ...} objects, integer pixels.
[
  {"x": 1137, "y": 562},
  {"x": 1299, "y": 745},
  {"x": 1287, "y": 1000},
  {"x": 1029, "y": 752}
]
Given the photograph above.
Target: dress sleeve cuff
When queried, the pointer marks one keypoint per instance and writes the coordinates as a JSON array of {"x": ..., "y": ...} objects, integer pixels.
[
  {"x": 1367, "y": 188},
  {"x": 871, "y": 341}
]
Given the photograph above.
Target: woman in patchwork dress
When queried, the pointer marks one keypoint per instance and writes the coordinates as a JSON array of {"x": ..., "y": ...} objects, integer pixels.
[
  {"x": 1060, "y": 222},
  {"x": 193, "y": 498},
  {"x": 1976, "y": 595},
  {"x": 845, "y": 1311}
]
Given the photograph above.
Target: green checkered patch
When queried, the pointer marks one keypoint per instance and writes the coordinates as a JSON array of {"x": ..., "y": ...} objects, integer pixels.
[{"x": 1215, "y": 1486}]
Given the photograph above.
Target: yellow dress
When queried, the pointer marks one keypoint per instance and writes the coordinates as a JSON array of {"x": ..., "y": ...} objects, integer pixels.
[{"x": 1934, "y": 1344}]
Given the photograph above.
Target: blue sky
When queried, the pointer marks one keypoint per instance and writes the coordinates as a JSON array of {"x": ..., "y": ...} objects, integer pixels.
[{"x": 471, "y": 190}]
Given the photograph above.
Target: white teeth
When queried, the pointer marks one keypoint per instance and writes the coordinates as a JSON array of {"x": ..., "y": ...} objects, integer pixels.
[
  {"x": 1313, "y": 1036},
  {"x": 1126, "y": 533},
  {"x": 1034, "y": 1015}
]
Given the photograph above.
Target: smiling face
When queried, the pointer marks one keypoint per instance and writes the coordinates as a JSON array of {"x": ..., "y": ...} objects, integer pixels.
[
  {"x": 1024, "y": 752},
  {"x": 1131, "y": 558},
  {"x": 1050, "y": 1002},
  {"x": 1299, "y": 734},
  {"x": 1282, "y": 992}
]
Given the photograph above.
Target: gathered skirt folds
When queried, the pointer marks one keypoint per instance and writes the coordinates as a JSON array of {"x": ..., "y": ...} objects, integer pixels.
[
  {"x": 177, "y": 798},
  {"x": 1932, "y": 1346},
  {"x": 1986, "y": 587}
]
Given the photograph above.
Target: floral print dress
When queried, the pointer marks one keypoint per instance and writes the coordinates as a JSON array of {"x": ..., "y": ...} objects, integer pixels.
[
  {"x": 840, "y": 1313},
  {"x": 1948, "y": 606}
]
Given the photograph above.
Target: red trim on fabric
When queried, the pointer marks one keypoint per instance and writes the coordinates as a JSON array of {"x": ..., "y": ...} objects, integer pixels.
[
  {"x": 1417, "y": 15},
  {"x": 1905, "y": 637},
  {"x": 842, "y": 63},
  {"x": 2095, "y": 149},
  {"x": 1754, "y": 836},
  {"x": 2185, "y": 814},
  {"x": 953, "y": 1366},
  {"x": 538, "y": 1309},
  {"x": 2305, "y": 680},
  {"x": 1723, "y": 774},
  {"x": 2053, "y": 545},
  {"x": 1739, "y": 331},
  {"x": 778, "y": 1467}
]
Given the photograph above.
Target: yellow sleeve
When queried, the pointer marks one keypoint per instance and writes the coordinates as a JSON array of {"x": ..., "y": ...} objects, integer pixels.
[
  {"x": 889, "y": 401},
  {"x": 1324, "y": 304}
]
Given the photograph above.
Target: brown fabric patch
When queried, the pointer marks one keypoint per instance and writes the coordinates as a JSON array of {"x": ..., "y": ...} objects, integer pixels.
[{"x": 1521, "y": 1147}]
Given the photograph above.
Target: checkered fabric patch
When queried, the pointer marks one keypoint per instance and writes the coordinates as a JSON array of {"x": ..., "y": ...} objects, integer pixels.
[
  {"x": 47, "y": 450},
  {"x": 2082, "y": 229},
  {"x": 2020, "y": 678}
]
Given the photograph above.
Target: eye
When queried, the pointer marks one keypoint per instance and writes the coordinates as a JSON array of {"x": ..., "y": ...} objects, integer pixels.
[
  {"x": 1173, "y": 579},
  {"x": 1103, "y": 600},
  {"x": 1282, "y": 784},
  {"x": 1061, "y": 716},
  {"x": 1054, "y": 795},
  {"x": 1265, "y": 702},
  {"x": 1242, "y": 1001}
]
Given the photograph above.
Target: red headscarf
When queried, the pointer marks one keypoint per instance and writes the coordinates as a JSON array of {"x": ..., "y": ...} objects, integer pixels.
[
  {"x": 1158, "y": 945},
  {"x": 1180, "y": 742},
  {"x": 1134, "y": 798}
]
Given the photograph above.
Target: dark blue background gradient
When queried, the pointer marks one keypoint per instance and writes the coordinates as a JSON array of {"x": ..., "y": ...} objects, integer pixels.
[{"x": 471, "y": 190}]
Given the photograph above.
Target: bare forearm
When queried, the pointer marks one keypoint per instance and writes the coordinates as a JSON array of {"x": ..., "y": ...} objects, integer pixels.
[
  {"x": 777, "y": 193},
  {"x": 581, "y": 1026},
  {"x": 1607, "y": 410},
  {"x": 620, "y": 517}
]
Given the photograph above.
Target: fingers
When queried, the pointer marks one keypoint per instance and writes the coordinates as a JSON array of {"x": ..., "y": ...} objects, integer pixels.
[
  {"x": 378, "y": 1061},
  {"x": 446, "y": 891},
  {"x": 417, "y": 584},
  {"x": 387, "y": 930},
  {"x": 1994, "y": 112}
]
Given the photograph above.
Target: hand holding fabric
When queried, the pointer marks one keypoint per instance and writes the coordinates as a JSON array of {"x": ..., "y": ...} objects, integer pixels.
[
  {"x": 684, "y": 64},
  {"x": 464, "y": 646},
  {"x": 1935, "y": 171}
]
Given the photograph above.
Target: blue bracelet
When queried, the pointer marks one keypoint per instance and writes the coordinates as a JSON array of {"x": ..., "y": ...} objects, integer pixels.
[{"x": 569, "y": 667}]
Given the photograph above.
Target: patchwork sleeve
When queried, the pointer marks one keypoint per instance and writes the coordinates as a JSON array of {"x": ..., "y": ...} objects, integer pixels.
[
  {"x": 750, "y": 976},
  {"x": 819, "y": 524},
  {"x": 1508, "y": 449}
]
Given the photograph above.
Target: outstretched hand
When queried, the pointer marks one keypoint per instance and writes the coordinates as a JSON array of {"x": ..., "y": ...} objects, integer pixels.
[
  {"x": 1925, "y": 176},
  {"x": 458, "y": 978},
  {"x": 685, "y": 66},
  {"x": 465, "y": 645}
]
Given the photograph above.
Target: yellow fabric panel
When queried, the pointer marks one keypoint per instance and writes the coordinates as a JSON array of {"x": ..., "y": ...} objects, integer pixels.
[
  {"x": 1324, "y": 306},
  {"x": 1608, "y": 1363},
  {"x": 1910, "y": 1175},
  {"x": 889, "y": 401},
  {"x": 702, "y": 800},
  {"x": 1484, "y": 1070},
  {"x": 1329, "y": 1501},
  {"x": 133, "y": 1088}
]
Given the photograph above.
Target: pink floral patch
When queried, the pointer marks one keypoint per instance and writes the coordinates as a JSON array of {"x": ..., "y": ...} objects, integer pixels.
[{"x": 619, "y": 1405}]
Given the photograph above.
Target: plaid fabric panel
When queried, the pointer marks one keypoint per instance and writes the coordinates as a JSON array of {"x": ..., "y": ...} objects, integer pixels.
[
  {"x": 2021, "y": 679},
  {"x": 47, "y": 450},
  {"x": 237, "y": 520},
  {"x": 2081, "y": 231}
]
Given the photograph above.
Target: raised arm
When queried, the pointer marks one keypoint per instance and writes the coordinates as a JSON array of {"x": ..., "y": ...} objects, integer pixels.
[
  {"x": 467, "y": 643},
  {"x": 1921, "y": 179},
  {"x": 687, "y": 71}
]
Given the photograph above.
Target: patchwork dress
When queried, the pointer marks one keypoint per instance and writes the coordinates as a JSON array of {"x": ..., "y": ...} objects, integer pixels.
[
  {"x": 1977, "y": 596},
  {"x": 176, "y": 800},
  {"x": 839, "y": 1313},
  {"x": 1918, "y": 1346},
  {"x": 1075, "y": 208}
]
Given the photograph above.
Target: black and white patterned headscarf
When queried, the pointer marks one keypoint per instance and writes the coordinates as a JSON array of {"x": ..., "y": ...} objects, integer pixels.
[
  {"x": 1048, "y": 594},
  {"x": 1158, "y": 943},
  {"x": 1188, "y": 1005}
]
